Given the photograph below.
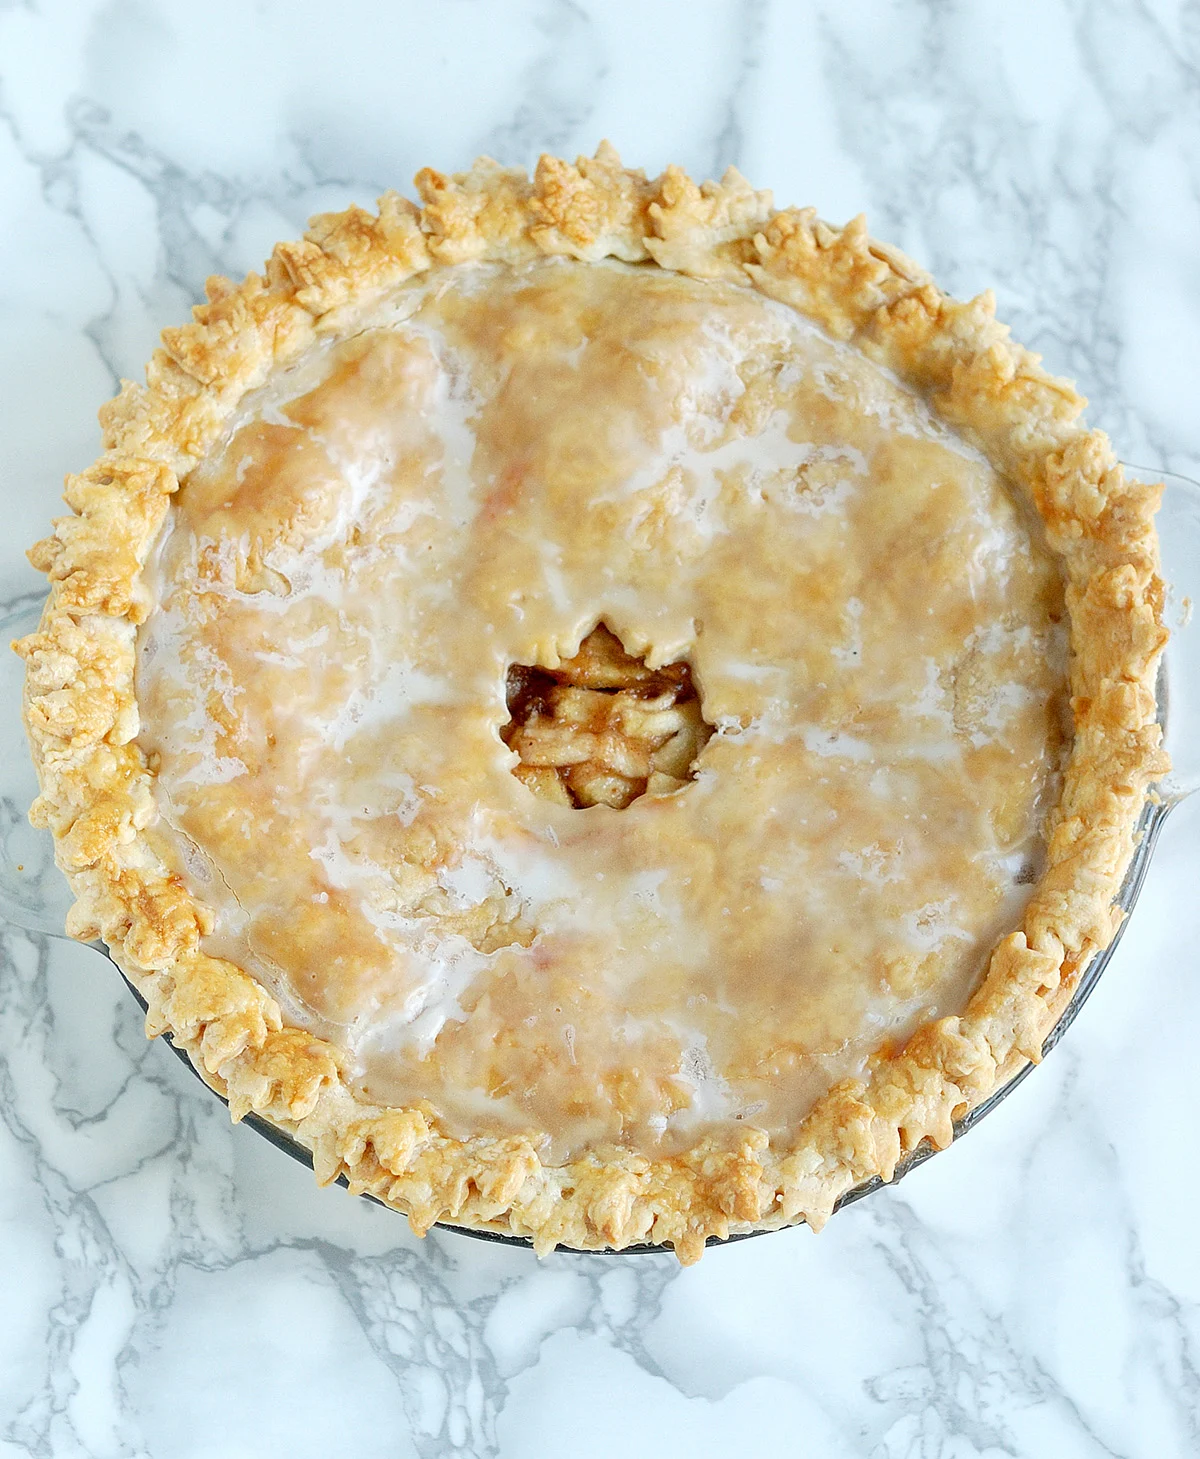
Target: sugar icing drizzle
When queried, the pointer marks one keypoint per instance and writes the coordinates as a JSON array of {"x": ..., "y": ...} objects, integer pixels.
[{"x": 475, "y": 477}]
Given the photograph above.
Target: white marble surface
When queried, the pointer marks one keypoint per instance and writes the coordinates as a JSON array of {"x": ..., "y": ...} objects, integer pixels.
[{"x": 173, "y": 1287}]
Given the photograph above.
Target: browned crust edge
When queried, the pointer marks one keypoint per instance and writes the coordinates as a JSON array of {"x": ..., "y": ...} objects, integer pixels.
[{"x": 97, "y": 790}]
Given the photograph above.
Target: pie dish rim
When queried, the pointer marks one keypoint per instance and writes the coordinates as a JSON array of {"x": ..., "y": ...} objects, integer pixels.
[{"x": 1154, "y": 816}]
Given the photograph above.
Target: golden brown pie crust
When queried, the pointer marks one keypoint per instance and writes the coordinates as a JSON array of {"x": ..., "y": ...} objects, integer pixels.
[{"x": 82, "y": 715}]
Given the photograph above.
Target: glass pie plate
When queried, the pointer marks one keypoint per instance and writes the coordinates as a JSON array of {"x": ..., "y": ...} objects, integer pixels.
[{"x": 34, "y": 896}]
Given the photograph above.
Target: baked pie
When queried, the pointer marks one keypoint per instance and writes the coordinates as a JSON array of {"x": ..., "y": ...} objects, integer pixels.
[{"x": 605, "y": 710}]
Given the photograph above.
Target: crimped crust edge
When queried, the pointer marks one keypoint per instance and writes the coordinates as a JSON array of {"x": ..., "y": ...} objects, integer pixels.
[{"x": 96, "y": 786}]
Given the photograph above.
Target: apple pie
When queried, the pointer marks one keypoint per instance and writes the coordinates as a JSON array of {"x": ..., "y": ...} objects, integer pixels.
[{"x": 607, "y": 711}]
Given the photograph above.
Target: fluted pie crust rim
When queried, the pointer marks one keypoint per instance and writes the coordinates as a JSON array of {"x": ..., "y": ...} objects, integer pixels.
[{"x": 96, "y": 786}]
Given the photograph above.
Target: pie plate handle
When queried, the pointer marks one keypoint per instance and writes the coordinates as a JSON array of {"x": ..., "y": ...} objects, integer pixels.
[
  {"x": 1179, "y": 680},
  {"x": 34, "y": 894}
]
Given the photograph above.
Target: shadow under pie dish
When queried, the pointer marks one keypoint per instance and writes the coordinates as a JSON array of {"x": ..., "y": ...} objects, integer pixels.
[{"x": 606, "y": 711}]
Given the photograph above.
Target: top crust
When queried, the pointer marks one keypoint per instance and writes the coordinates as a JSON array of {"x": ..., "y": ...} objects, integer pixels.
[{"x": 82, "y": 716}]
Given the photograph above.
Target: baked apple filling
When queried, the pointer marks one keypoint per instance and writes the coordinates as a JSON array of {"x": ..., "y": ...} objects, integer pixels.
[{"x": 602, "y": 728}]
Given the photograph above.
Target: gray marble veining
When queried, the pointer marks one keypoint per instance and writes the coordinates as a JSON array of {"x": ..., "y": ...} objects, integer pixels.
[{"x": 174, "y": 1287}]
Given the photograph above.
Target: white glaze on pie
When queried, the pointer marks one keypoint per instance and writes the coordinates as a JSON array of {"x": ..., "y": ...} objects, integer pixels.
[{"x": 476, "y": 476}]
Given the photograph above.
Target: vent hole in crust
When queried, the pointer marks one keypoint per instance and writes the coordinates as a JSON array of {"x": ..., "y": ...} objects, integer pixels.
[{"x": 602, "y": 728}]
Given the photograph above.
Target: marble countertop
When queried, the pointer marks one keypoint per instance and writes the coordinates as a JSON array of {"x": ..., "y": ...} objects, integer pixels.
[{"x": 174, "y": 1287}]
